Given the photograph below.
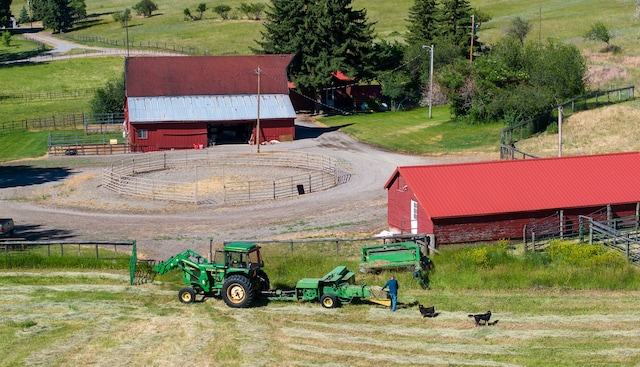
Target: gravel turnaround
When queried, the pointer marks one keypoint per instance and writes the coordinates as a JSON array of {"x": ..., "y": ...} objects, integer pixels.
[{"x": 75, "y": 206}]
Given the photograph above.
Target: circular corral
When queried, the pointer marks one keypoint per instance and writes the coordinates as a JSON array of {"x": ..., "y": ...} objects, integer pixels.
[{"x": 205, "y": 177}]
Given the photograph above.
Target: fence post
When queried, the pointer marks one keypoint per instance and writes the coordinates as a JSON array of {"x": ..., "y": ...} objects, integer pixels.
[
  {"x": 337, "y": 248},
  {"x": 291, "y": 246}
]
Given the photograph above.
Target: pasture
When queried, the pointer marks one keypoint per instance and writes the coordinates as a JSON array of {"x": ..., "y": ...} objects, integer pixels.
[{"x": 69, "y": 316}]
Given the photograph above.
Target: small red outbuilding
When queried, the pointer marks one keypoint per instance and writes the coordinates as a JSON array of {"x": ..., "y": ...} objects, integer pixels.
[
  {"x": 182, "y": 102},
  {"x": 486, "y": 201}
]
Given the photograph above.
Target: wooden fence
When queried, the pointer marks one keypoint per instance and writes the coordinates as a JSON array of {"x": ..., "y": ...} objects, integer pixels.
[
  {"x": 320, "y": 173},
  {"x": 538, "y": 124}
]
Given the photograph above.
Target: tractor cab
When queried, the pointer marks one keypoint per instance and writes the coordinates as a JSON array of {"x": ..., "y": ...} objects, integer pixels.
[{"x": 239, "y": 255}]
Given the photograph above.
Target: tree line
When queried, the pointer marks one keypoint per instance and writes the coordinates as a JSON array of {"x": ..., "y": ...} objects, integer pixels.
[{"x": 511, "y": 80}]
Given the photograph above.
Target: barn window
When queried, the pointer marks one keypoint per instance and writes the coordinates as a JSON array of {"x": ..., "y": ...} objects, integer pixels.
[{"x": 142, "y": 134}]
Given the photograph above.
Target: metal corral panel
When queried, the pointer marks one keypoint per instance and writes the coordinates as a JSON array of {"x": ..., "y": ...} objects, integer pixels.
[
  {"x": 495, "y": 187},
  {"x": 209, "y": 108}
]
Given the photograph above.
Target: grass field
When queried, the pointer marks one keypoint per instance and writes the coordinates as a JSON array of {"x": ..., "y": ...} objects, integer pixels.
[{"x": 69, "y": 316}]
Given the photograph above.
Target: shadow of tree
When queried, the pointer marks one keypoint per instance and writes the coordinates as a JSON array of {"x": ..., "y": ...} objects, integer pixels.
[
  {"x": 16, "y": 176},
  {"x": 36, "y": 232},
  {"x": 305, "y": 132}
]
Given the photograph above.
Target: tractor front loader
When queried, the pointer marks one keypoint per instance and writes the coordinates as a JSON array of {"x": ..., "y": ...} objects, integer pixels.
[{"x": 236, "y": 274}]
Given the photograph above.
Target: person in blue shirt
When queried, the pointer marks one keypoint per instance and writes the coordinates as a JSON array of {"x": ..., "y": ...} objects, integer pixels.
[{"x": 392, "y": 284}]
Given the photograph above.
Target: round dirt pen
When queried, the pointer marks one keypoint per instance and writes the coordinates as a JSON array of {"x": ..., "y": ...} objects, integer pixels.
[{"x": 206, "y": 177}]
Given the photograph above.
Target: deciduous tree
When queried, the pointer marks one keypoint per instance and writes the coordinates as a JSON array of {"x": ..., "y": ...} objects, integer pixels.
[
  {"x": 110, "y": 98},
  {"x": 122, "y": 17},
  {"x": 222, "y": 10},
  {"x": 145, "y": 8},
  {"x": 518, "y": 29}
]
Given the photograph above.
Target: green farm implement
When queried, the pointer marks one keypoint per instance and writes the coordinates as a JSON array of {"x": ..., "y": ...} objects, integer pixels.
[
  {"x": 332, "y": 290},
  {"x": 397, "y": 256},
  {"x": 236, "y": 275}
]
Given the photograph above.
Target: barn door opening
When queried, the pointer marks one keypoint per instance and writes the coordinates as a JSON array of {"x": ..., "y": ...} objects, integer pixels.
[{"x": 414, "y": 217}]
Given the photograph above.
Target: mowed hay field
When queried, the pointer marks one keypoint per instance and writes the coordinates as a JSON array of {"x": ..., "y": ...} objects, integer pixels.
[{"x": 97, "y": 319}]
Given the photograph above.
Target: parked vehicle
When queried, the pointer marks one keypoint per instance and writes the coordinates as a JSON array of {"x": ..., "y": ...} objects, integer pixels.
[{"x": 6, "y": 227}]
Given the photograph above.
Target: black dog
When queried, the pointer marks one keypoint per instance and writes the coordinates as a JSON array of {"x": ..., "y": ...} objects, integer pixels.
[
  {"x": 481, "y": 318},
  {"x": 427, "y": 311}
]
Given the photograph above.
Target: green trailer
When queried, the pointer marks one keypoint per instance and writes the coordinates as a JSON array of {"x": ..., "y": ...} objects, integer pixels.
[
  {"x": 335, "y": 288},
  {"x": 397, "y": 256}
]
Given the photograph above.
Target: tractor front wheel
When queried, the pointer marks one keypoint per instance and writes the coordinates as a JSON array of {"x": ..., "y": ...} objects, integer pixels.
[
  {"x": 187, "y": 295},
  {"x": 329, "y": 300},
  {"x": 237, "y": 291}
]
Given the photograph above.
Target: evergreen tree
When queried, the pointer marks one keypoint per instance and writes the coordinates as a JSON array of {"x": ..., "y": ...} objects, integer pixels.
[
  {"x": 57, "y": 15},
  {"x": 423, "y": 23},
  {"x": 455, "y": 23},
  {"x": 325, "y": 35},
  {"x": 24, "y": 16},
  {"x": 5, "y": 13}
]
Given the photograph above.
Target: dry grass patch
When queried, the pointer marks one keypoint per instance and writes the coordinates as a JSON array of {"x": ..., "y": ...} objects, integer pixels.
[{"x": 606, "y": 130}]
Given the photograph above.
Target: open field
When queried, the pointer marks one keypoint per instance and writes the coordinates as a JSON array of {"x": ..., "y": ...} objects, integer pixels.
[
  {"x": 93, "y": 317},
  {"x": 97, "y": 319}
]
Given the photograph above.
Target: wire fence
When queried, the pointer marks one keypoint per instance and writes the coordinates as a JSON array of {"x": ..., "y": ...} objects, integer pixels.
[
  {"x": 132, "y": 44},
  {"x": 25, "y": 97},
  {"x": 540, "y": 123},
  {"x": 90, "y": 122},
  {"x": 318, "y": 173}
]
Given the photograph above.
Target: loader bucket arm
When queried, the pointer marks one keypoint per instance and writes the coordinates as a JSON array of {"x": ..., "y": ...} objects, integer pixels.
[{"x": 179, "y": 260}]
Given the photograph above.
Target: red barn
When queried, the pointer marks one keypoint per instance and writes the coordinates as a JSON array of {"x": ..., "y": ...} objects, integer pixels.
[
  {"x": 182, "y": 102},
  {"x": 487, "y": 201}
]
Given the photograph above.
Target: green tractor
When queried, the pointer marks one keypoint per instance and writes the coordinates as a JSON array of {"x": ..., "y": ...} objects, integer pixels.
[{"x": 235, "y": 274}]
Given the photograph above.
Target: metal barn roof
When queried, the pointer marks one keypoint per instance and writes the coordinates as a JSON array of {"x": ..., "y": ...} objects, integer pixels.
[
  {"x": 475, "y": 189},
  {"x": 150, "y": 76},
  {"x": 209, "y": 108}
]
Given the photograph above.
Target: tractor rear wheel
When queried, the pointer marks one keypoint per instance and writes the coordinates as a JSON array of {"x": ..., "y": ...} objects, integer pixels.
[
  {"x": 237, "y": 291},
  {"x": 187, "y": 295},
  {"x": 329, "y": 300}
]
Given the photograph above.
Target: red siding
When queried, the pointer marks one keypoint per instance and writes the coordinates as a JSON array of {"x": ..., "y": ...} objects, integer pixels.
[
  {"x": 166, "y": 136},
  {"x": 281, "y": 130}
]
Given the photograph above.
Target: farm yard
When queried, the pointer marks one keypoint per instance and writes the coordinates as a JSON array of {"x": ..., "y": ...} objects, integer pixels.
[
  {"x": 544, "y": 313},
  {"x": 60, "y": 318}
]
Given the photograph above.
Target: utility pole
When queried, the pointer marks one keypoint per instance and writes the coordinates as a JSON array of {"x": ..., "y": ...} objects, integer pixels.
[
  {"x": 430, "y": 77},
  {"x": 258, "y": 117},
  {"x": 473, "y": 34},
  {"x": 126, "y": 26},
  {"x": 560, "y": 113}
]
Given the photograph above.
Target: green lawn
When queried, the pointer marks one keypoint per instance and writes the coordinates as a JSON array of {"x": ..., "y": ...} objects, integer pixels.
[
  {"x": 413, "y": 131},
  {"x": 23, "y": 144}
]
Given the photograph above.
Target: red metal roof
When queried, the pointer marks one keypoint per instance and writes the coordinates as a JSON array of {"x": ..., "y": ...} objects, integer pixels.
[
  {"x": 205, "y": 75},
  {"x": 474, "y": 189}
]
